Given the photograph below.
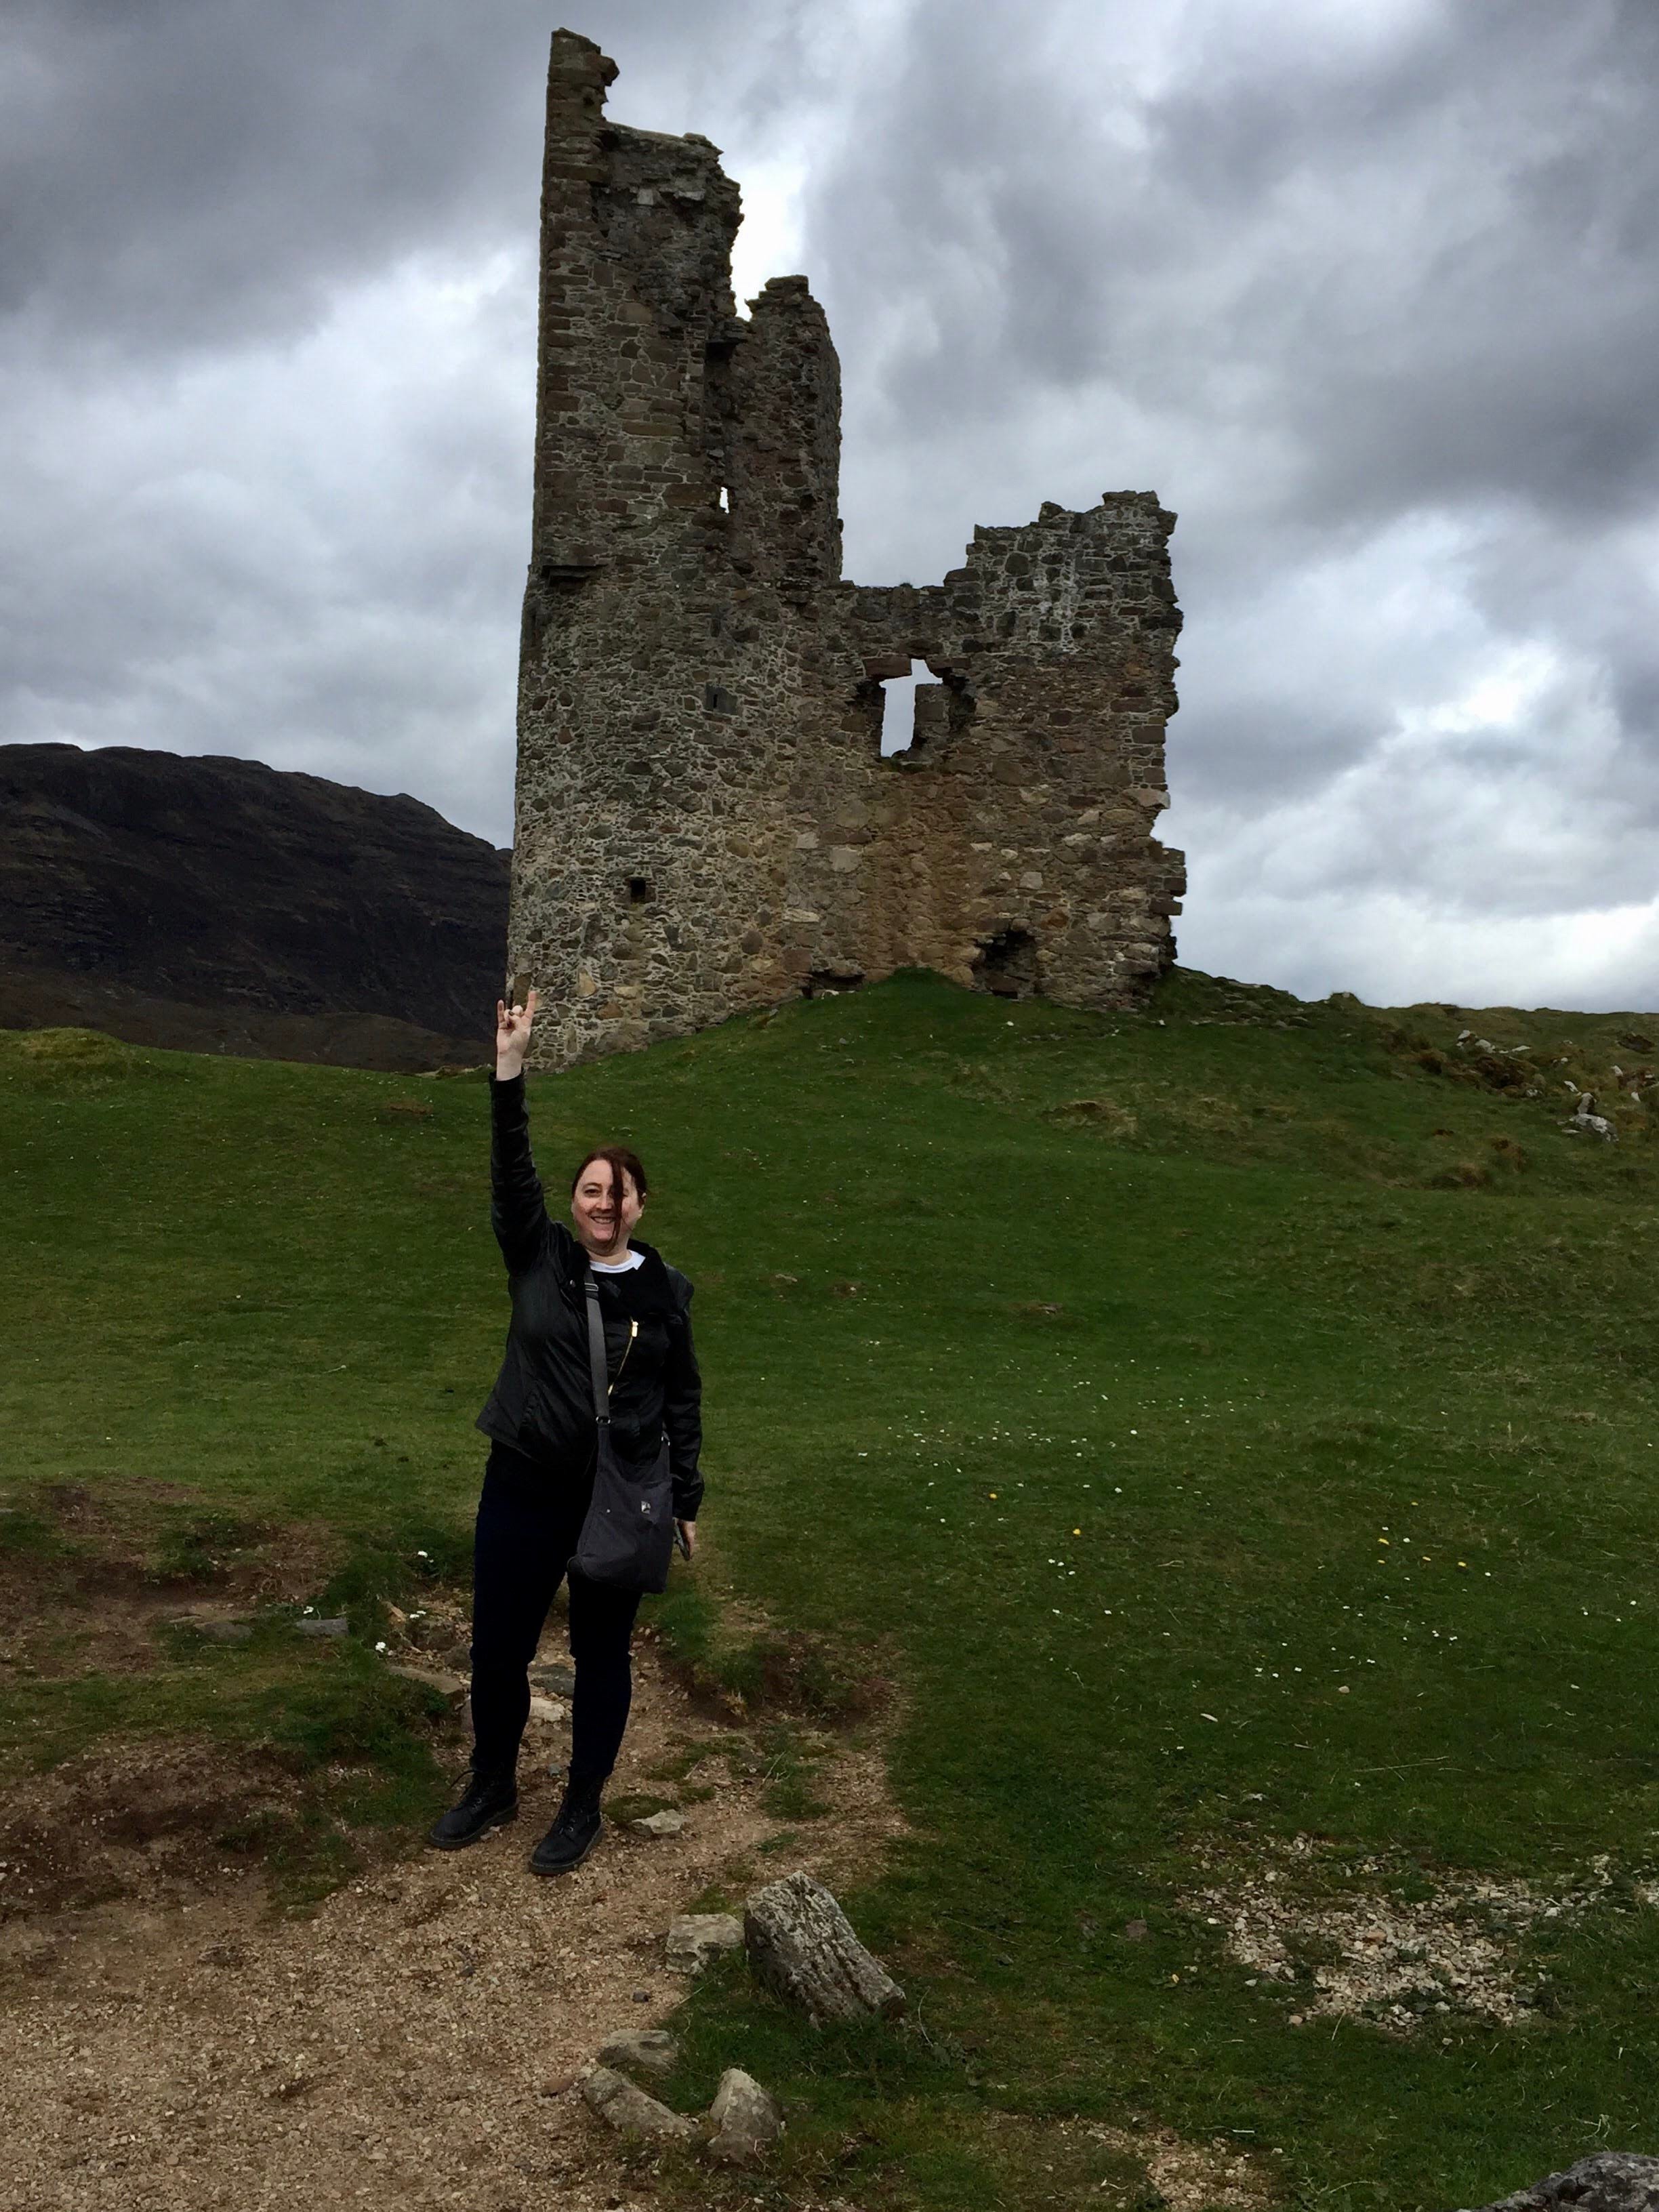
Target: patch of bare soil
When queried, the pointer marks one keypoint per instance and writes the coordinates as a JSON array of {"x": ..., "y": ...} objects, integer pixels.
[
  {"x": 1146, "y": 2165},
  {"x": 414, "y": 2042},
  {"x": 137, "y": 1820},
  {"x": 1189, "y": 2177},
  {"x": 1363, "y": 1955},
  {"x": 94, "y": 1605}
]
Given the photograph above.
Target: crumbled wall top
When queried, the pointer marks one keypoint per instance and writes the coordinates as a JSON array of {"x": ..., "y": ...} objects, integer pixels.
[{"x": 706, "y": 822}]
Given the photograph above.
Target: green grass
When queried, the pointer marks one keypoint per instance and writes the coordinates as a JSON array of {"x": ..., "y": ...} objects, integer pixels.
[{"x": 1065, "y": 1371}]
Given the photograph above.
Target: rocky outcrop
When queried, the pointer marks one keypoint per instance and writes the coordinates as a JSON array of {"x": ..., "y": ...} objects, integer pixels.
[
  {"x": 216, "y": 905},
  {"x": 1611, "y": 2181}
]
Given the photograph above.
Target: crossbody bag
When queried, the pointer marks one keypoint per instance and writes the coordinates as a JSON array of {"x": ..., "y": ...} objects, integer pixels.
[{"x": 627, "y": 1536}]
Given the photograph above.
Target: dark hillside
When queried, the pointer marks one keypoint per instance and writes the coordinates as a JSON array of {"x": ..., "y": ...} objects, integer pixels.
[{"x": 219, "y": 905}]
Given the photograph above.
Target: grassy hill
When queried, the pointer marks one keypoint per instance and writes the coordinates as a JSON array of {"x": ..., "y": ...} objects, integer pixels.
[{"x": 1228, "y": 1429}]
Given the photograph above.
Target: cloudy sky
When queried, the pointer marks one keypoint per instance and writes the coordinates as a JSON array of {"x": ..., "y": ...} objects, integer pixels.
[{"x": 1368, "y": 290}]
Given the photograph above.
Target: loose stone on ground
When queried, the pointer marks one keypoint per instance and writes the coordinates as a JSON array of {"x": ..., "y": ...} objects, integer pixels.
[
  {"x": 666, "y": 1823},
  {"x": 746, "y": 2119},
  {"x": 696, "y": 1938},
  {"x": 652, "y": 2050},
  {"x": 622, "y": 2105}
]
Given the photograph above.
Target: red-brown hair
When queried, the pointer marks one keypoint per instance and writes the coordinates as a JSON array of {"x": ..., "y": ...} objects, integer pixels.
[{"x": 621, "y": 1162}]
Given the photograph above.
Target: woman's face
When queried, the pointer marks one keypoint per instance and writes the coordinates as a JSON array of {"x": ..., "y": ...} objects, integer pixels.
[{"x": 592, "y": 1208}]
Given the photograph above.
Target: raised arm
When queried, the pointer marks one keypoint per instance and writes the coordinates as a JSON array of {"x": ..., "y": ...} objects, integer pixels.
[{"x": 517, "y": 1213}]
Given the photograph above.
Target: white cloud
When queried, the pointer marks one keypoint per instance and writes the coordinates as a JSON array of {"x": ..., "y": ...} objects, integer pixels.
[
  {"x": 240, "y": 537},
  {"x": 1362, "y": 288}
]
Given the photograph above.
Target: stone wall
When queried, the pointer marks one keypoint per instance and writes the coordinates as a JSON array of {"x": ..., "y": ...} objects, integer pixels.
[{"x": 705, "y": 821}]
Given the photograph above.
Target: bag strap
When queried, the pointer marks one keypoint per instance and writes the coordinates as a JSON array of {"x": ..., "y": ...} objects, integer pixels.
[{"x": 597, "y": 1364}]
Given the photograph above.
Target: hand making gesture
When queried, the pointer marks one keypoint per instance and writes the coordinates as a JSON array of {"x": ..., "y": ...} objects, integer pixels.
[{"x": 512, "y": 1025}]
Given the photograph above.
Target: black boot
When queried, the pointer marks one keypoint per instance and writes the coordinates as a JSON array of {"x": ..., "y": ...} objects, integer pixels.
[
  {"x": 574, "y": 1834},
  {"x": 489, "y": 1801}
]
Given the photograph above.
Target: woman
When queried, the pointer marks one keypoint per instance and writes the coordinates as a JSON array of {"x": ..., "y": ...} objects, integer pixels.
[{"x": 540, "y": 1472}]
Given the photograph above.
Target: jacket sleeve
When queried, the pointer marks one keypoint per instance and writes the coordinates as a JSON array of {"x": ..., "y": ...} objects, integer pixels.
[
  {"x": 516, "y": 1212},
  {"x": 682, "y": 1412}
]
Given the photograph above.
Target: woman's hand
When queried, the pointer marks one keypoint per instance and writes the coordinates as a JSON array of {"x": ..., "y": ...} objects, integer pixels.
[
  {"x": 688, "y": 1534},
  {"x": 512, "y": 1025}
]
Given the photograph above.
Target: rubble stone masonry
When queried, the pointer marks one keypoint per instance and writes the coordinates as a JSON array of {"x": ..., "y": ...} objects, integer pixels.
[{"x": 705, "y": 821}]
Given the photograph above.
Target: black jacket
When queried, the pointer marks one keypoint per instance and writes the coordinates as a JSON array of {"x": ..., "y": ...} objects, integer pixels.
[{"x": 543, "y": 1401}]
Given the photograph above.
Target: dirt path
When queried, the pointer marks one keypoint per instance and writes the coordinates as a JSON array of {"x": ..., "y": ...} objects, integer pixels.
[{"x": 409, "y": 2046}]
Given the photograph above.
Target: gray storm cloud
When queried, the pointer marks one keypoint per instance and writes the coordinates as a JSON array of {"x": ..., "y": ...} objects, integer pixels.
[{"x": 1364, "y": 288}]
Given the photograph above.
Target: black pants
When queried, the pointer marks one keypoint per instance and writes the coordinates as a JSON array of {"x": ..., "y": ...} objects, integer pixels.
[{"x": 527, "y": 1528}]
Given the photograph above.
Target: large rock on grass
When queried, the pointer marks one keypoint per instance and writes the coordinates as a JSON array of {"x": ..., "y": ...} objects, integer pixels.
[
  {"x": 746, "y": 2119},
  {"x": 802, "y": 1946},
  {"x": 1611, "y": 2181}
]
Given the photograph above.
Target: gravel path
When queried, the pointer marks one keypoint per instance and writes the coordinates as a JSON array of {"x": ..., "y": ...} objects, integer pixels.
[{"x": 411, "y": 2044}]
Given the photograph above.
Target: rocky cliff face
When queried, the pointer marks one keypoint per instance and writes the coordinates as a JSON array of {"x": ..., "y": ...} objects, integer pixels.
[{"x": 218, "y": 905}]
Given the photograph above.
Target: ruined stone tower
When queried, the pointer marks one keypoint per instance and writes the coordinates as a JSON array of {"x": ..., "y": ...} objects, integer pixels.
[{"x": 705, "y": 821}]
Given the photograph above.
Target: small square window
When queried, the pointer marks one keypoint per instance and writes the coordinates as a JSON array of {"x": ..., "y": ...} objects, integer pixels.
[{"x": 638, "y": 891}]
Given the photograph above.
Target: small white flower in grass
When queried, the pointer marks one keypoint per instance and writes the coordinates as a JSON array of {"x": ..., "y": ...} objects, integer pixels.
[
  {"x": 379, "y": 1647},
  {"x": 424, "y": 1555}
]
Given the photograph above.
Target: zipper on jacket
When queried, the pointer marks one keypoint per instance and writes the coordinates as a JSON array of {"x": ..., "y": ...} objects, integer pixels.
[{"x": 633, "y": 1331}]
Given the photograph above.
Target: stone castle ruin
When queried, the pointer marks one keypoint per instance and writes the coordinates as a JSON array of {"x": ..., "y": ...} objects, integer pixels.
[{"x": 706, "y": 822}]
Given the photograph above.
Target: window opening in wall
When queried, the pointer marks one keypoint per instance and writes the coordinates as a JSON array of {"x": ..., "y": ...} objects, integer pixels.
[
  {"x": 725, "y": 499},
  {"x": 825, "y": 982},
  {"x": 638, "y": 891},
  {"x": 1006, "y": 965},
  {"x": 898, "y": 713}
]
